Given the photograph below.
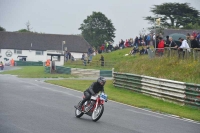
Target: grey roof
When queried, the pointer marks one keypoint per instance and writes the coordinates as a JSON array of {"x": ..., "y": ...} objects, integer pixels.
[
  {"x": 43, "y": 42},
  {"x": 181, "y": 31}
]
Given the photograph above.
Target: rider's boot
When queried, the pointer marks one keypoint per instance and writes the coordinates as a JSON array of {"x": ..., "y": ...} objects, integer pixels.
[{"x": 78, "y": 107}]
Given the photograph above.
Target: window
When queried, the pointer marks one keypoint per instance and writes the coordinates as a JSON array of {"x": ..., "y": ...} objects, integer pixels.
[
  {"x": 39, "y": 52},
  {"x": 17, "y": 51}
]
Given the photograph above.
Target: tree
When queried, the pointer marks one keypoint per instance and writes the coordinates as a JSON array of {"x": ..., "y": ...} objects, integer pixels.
[
  {"x": 23, "y": 30},
  {"x": 28, "y": 29},
  {"x": 174, "y": 15},
  {"x": 97, "y": 28},
  {"x": 2, "y": 29}
]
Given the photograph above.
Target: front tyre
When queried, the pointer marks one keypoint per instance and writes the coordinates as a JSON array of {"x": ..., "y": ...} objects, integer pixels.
[
  {"x": 78, "y": 113},
  {"x": 96, "y": 115}
]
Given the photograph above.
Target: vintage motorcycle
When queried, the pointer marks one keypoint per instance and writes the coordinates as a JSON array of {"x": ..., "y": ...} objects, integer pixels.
[{"x": 93, "y": 107}]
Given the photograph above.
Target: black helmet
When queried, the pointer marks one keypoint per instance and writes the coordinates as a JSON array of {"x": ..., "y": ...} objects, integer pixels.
[{"x": 101, "y": 80}]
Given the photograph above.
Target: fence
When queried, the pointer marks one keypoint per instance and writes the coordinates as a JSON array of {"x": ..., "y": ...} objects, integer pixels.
[
  {"x": 63, "y": 70},
  {"x": 193, "y": 54},
  {"x": 80, "y": 72},
  {"x": 28, "y": 63},
  {"x": 47, "y": 69},
  {"x": 180, "y": 92}
]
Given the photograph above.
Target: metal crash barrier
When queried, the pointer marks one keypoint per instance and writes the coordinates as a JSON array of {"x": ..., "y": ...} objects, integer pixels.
[{"x": 179, "y": 92}]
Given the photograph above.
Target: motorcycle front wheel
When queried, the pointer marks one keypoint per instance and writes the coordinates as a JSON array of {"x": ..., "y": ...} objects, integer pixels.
[
  {"x": 96, "y": 114},
  {"x": 78, "y": 113}
]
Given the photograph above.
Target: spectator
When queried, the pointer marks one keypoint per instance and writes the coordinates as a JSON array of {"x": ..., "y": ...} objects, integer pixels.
[
  {"x": 184, "y": 45},
  {"x": 188, "y": 39},
  {"x": 102, "y": 60},
  {"x": 143, "y": 43},
  {"x": 194, "y": 34},
  {"x": 194, "y": 43},
  {"x": 172, "y": 43},
  {"x": 102, "y": 48},
  {"x": 136, "y": 42},
  {"x": 69, "y": 55},
  {"x": 183, "y": 48},
  {"x": 198, "y": 38},
  {"x": 85, "y": 60},
  {"x": 160, "y": 46},
  {"x": 83, "y": 56},
  {"x": 160, "y": 35},
  {"x": 148, "y": 39},
  {"x": 142, "y": 51},
  {"x": 167, "y": 41}
]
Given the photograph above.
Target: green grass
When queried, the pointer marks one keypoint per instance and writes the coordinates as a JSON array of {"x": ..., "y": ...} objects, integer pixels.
[
  {"x": 165, "y": 67},
  {"x": 134, "y": 99},
  {"x": 35, "y": 72}
]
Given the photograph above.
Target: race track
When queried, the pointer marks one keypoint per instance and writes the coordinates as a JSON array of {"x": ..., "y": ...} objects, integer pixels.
[{"x": 32, "y": 106}]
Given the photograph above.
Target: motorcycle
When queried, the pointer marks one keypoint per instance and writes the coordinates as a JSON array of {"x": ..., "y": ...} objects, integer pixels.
[{"x": 93, "y": 107}]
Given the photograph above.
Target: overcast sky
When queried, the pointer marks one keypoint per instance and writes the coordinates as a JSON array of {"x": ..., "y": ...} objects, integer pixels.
[{"x": 65, "y": 16}]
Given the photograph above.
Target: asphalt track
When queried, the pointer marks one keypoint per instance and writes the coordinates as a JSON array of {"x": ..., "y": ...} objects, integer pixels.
[{"x": 32, "y": 106}]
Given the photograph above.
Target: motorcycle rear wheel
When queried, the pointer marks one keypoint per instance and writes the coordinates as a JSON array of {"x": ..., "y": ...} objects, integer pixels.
[{"x": 96, "y": 115}]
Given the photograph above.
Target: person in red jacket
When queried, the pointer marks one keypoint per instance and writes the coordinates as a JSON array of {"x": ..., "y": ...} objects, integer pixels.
[{"x": 161, "y": 46}]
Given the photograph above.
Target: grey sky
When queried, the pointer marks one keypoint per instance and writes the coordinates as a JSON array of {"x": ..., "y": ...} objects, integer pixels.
[{"x": 65, "y": 16}]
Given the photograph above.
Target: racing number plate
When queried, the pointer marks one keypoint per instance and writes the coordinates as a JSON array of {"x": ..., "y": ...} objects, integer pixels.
[{"x": 103, "y": 96}]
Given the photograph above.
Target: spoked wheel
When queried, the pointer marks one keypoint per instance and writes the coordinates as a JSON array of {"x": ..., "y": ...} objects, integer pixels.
[
  {"x": 78, "y": 113},
  {"x": 96, "y": 115}
]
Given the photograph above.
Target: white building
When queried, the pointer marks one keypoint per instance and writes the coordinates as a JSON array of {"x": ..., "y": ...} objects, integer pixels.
[{"x": 36, "y": 47}]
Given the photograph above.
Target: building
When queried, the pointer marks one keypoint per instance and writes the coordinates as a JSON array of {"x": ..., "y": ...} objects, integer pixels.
[{"x": 38, "y": 47}]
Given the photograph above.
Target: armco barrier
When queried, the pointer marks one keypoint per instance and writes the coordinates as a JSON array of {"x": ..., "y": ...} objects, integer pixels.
[
  {"x": 106, "y": 73},
  {"x": 184, "y": 93},
  {"x": 192, "y": 92},
  {"x": 63, "y": 70},
  {"x": 47, "y": 69},
  {"x": 28, "y": 63}
]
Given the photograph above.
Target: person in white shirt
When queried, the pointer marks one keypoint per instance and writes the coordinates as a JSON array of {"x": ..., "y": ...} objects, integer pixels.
[{"x": 184, "y": 47}]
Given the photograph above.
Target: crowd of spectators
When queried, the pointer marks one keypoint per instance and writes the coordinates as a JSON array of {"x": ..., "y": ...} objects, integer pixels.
[{"x": 182, "y": 45}]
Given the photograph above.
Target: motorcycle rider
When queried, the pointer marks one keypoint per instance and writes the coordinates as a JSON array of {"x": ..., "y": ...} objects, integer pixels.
[{"x": 94, "y": 89}]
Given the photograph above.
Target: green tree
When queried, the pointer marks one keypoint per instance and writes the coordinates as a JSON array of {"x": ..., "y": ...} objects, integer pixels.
[
  {"x": 174, "y": 15},
  {"x": 97, "y": 28},
  {"x": 2, "y": 29},
  {"x": 23, "y": 30}
]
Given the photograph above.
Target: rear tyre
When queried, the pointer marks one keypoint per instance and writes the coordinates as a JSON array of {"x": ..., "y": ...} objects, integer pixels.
[
  {"x": 96, "y": 115},
  {"x": 78, "y": 113}
]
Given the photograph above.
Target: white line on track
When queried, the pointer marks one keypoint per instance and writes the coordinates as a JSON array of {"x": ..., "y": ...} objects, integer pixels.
[{"x": 144, "y": 113}]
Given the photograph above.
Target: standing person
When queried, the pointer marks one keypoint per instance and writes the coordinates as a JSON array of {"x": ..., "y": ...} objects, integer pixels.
[
  {"x": 172, "y": 43},
  {"x": 83, "y": 56},
  {"x": 136, "y": 42},
  {"x": 167, "y": 41},
  {"x": 161, "y": 46},
  {"x": 69, "y": 55},
  {"x": 102, "y": 48},
  {"x": 184, "y": 47},
  {"x": 198, "y": 38},
  {"x": 84, "y": 60},
  {"x": 188, "y": 39},
  {"x": 102, "y": 60},
  {"x": 194, "y": 34},
  {"x": 148, "y": 39},
  {"x": 194, "y": 43},
  {"x": 160, "y": 35}
]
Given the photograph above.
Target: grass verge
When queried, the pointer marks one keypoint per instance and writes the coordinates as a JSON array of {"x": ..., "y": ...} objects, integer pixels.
[
  {"x": 135, "y": 99},
  {"x": 35, "y": 72},
  {"x": 164, "y": 67}
]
